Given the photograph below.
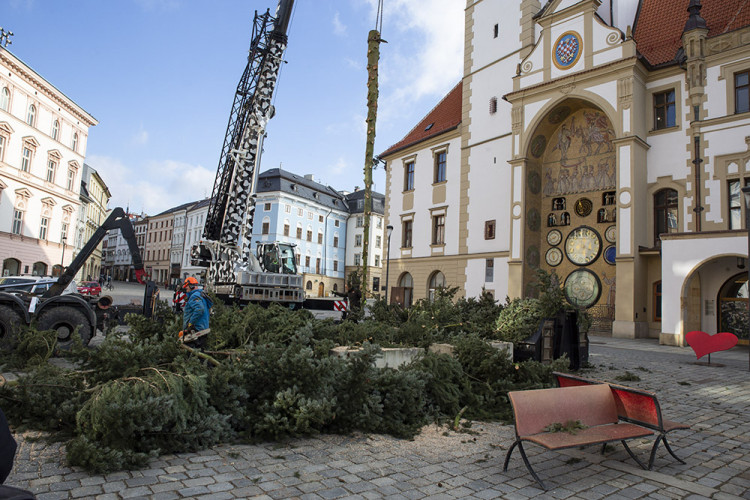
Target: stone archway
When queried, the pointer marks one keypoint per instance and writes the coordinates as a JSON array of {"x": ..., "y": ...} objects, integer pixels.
[{"x": 570, "y": 204}]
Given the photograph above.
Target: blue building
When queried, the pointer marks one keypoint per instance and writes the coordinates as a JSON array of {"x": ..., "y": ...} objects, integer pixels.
[{"x": 296, "y": 209}]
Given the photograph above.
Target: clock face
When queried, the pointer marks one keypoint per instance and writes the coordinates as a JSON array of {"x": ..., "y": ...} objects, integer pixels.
[
  {"x": 582, "y": 288},
  {"x": 554, "y": 237},
  {"x": 583, "y": 246},
  {"x": 554, "y": 256},
  {"x": 583, "y": 207},
  {"x": 611, "y": 234},
  {"x": 610, "y": 254}
]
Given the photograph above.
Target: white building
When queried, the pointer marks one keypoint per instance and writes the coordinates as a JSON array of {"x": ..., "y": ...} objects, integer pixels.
[
  {"x": 195, "y": 222},
  {"x": 43, "y": 136},
  {"x": 355, "y": 230},
  {"x": 606, "y": 141}
]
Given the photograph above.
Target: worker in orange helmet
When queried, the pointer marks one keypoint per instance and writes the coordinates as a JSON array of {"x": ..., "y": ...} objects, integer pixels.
[{"x": 195, "y": 319}]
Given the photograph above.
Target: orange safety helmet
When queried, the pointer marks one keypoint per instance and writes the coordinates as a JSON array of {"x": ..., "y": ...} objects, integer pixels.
[{"x": 190, "y": 282}]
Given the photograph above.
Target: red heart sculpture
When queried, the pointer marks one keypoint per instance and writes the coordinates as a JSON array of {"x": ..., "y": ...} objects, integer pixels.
[{"x": 703, "y": 343}]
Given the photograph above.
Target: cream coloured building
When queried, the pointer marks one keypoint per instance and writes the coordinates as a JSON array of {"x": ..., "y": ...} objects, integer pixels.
[
  {"x": 43, "y": 136},
  {"x": 606, "y": 141}
]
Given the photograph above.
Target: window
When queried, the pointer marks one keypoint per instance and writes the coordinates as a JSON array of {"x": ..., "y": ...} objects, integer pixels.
[
  {"x": 489, "y": 270},
  {"x": 357, "y": 240},
  {"x": 406, "y": 234},
  {"x": 308, "y": 286},
  {"x": 335, "y": 265},
  {"x": 43, "y": 226},
  {"x": 493, "y": 105},
  {"x": 51, "y": 168},
  {"x": 31, "y": 115},
  {"x": 267, "y": 207},
  {"x": 335, "y": 241},
  {"x": 309, "y": 235},
  {"x": 299, "y": 233},
  {"x": 664, "y": 110},
  {"x": 665, "y": 213},
  {"x": 657, "y": 301},
  {"x": 307, "y": 261},
  {"x": 74, "y": 145},
  {"x": 409, "y": 176},
  {"x": 360, "y": 204},
  {"x": 55, "y": 130},
  {"x": 360, "y": 221},
  {"x": 496, "y": 30},
  {"x": 742, "y": 92},
  {"x": 378, "y": 240},
  {"x": 437, "y": 281},
  {"x": 26, "y": 159},
  {"x": 377, "y": 261},
  {"x": 379, "y": 223},
  {"x": 357, "y": 259},
  {"x": 336, "y": 223},
  {"x": 735, "y": 205},
  {"x": 320, "y": 238},
  {"x": 438, "y": 229},
  {"x": 309, "y": 215},
  {"x": 317, "y": 265},
  {"x": 5, "y": 99},
  {"x": 489, "y": 230},
  {"x": 266, "y": 227},
  {"x": 64, "y": 232},
  {"x": 440, "y": 166},
  {"x": 320, "y": 218},
  {"x": 17, "y": 222},
  {"x": 2, "y": 147},
  {"x": 286, "y": 229},
  {"x": 300, "y": 212},
  {"x": 71, "y": 179}
]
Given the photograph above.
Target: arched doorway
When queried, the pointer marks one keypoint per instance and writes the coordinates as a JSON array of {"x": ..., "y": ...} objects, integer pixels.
[
  {"x": 11, "y": 267},
  {"x": 39, "y": 269},
  {"x": 570, "y": 209},
  {"x": 437, "y": 280},
  {"x": 405, "y": 289},
  {"x": 321, "y": 289},
  {"x": 733, "y": 313}
]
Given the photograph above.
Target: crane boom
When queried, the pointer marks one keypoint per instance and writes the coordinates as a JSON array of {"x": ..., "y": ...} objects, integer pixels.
[{"x": 229, "y": 223}]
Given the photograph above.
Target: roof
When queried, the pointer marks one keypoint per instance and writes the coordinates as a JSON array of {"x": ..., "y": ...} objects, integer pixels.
[
  {"x": 277, "y": 179},
  {"x": 444, "y": 117},
  {"x": 660, "y": 24},
  {"x": 378, "y": 202},
  {"x": 184, "y": 206}
]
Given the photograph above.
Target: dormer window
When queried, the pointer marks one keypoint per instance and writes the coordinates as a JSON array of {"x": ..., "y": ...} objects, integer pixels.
[{"x": 428, "y": 127}]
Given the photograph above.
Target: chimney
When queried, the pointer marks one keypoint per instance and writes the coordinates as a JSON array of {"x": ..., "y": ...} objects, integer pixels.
[
  {"x": 356, "y": 188},
  {"x": 310, "y": 177}
]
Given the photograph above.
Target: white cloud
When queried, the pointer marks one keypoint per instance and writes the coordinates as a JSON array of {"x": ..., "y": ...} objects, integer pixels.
[
  {"x": 340, "y": 166},
  {"x": 424, "y": 56},
  {"x": 141, "y": 137},
  {"x": 339, "y": 28},
  {"x": 155, "y": 186}
]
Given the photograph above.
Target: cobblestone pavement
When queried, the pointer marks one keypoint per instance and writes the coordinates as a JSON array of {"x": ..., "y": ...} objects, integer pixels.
[{"x": 440, "y": 464}]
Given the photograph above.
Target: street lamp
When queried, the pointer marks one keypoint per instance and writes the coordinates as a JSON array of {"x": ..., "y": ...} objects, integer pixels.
[
  {"x": 62, "y": 259},
  {"x": 388, "y": 228},
  {"x": 746, "y": 194}
]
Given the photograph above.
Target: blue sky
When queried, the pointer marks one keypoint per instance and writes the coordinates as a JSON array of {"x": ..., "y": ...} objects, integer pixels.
[{"x": 160, "y": 77}]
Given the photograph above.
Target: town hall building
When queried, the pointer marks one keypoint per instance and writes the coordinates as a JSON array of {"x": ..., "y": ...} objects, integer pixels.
[{"x": 605, "y": 141}]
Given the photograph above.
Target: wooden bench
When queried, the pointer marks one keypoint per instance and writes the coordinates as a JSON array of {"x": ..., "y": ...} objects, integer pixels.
[
  {"x": 592, "y": 405},
  {"x": 635, "y": 406}
]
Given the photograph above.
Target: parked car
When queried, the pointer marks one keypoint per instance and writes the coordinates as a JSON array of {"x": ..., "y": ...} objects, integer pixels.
[{"x": 90, "y": 288}]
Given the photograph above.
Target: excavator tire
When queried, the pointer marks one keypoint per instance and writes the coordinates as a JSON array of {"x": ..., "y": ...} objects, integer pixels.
[
  {"x": 64, "y": 320},
  {"x": 10, "y": 321}
]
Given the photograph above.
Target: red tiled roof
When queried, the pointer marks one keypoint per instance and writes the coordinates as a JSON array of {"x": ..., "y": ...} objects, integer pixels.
[
  {"x": 658, "y": 30},
  {"x": 443, "y": 117}
]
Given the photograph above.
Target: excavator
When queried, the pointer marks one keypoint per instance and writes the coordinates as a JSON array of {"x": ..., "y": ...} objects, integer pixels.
[
  {"x": 235, "y": 273},
  {"x": 66, "y": 312}
]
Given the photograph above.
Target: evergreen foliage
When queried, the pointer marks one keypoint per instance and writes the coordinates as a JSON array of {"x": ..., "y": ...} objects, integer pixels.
[{"x": 140, "y": 395}]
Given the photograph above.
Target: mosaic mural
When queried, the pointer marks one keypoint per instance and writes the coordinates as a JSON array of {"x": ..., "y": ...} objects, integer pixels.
[{"x": 580, "y": 156}]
